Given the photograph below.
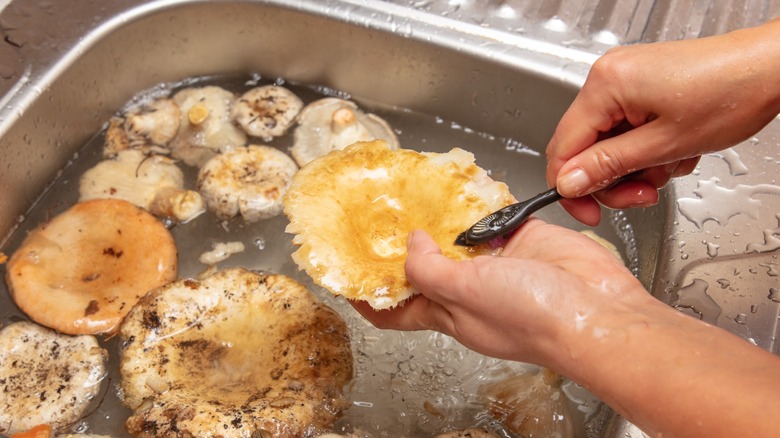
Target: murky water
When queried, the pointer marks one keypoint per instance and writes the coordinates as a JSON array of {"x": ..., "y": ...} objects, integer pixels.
[{"x": 405, "y": 384}]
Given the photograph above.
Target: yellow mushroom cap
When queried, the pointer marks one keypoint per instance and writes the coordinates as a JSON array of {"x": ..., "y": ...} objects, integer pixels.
[{"x": 352, "y": 211}]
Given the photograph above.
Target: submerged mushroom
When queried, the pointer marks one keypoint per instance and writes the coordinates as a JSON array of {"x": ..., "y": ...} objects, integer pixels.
[
  {"x": 266, "y": 111},
  {"x": 148, "y": 128},
  {"x": 48, "y": 377},
  {"x": 248, "y": 181},
  {"x": 531, "y": 404},
  {"x": 333, "y": 124},
  {"x": 233, "y": 354},
  {"x": 206, "y": 126},
  {"x": 81, "y": 272},
  {"x": 152, "y": 182}
]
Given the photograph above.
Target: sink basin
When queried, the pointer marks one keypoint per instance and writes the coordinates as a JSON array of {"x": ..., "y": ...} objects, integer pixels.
[{"x": 440, "y": 83}]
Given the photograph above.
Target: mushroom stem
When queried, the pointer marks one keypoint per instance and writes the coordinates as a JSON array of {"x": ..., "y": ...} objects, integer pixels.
[
  {"x": 197, "y": 114},
  {"x": 182, "y": 205},
  {"x": 342, "y": 119}
]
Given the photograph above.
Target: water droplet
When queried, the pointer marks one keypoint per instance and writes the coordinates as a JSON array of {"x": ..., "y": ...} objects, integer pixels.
[
  {"x": 724, "y": 283},
  {"x": 736, "y": 166},
  {"x": 712, "y": 249},
  {"x": 694, "y": 296},
  {"x": 741, "y": 318},
  {"x": 771, "y": 239},
  {"x": 770, "y": 269},
  {"x": 259, "y": 243},
  {"x": 774, "y": 294}
]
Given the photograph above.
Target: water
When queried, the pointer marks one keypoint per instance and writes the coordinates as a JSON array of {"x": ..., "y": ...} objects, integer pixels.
[
  {"x": 397, "y": 374},
  {"x": 720, "y": 204},
  {"x": 694, "y": 297}
]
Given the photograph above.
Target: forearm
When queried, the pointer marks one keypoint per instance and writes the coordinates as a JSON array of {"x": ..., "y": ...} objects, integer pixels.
[
  {"x": 757, "y": 53},
  {"x": 672, "y": 375}
]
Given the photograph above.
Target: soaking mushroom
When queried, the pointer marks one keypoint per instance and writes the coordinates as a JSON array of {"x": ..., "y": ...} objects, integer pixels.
[
  {"x": 148, "y": 127},
  {"x": 249, "y": 182},
  {"x": 235, "y": 354},
  {"x": 82, "y": 271},
  {"x": 47, "y": 377},
  {"x": 332, "y": 124},
  {"x": 266, "y": 111},
  {"x": 152, "y": 182},
  {"x": 206, "y": 126}
]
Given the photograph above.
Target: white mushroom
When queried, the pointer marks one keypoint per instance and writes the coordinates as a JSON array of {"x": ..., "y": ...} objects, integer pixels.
[
  {"x": 46, "y": 377},
  {"x": 148, "y": 128},
  {"x": 248, "y": 181},
  {"x": 235, "y": 354},
  {"x": 332, "y": 124},
  {"x": 156, "y": 123},
  {"x": 206, "y": 127},
  {"x": 266, "y": 111},
  {"x": 152, "y": 182}
]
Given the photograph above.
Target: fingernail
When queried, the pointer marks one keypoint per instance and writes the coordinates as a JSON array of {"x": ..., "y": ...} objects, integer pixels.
[{"x": 574, "y": 182}]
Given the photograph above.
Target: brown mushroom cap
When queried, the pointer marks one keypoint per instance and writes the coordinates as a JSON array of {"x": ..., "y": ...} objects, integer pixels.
[{"x": 81, "y": 272}]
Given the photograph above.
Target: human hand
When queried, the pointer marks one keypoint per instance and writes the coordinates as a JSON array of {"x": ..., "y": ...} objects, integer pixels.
[
  {"x": 521, "y": 305},
  {"x": 651, "y": 111}
]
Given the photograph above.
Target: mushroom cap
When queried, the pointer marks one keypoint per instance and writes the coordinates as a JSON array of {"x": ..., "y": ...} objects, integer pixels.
[
  {"x": 530, "y": 404},
  {"x": 81, "y": 272},
  {"x": 352, "y": 210},
  {"x": 156, "y": 123},
  {"x": 132, "y": 176},
  {"x": 239, "y": 350},
  {"x": 247, "y": 181},
  {"x": 206, "y": 126},
  {"x": 266, "y": 111},
  {"x": 48, "y": 378},
  {"x": 332, "y": 124}
]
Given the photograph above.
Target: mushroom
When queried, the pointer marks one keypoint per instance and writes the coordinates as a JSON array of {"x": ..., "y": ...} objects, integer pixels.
[
  {"x": 351, "y": 212},
  {"x": 152, "y": 182},
  {"x": 206, "y": 126},
  {"x": 530, "y": 404},
  {"x": 248, "y": 181},
  {"x": 48, "y": 377},
  {"x": 266, "y": 111},
  {"x": 332, "y": 124},
  {"x": 148, "y": 127},
  {"x": 81, "y": 272},
  {"x": 232, "y": 354}
]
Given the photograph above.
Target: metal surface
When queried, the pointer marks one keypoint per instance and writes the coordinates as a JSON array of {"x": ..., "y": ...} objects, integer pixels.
[{"x": 505, "y": 68}]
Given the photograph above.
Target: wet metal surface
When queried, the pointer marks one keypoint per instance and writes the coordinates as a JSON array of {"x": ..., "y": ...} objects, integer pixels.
[{"x": 711, "y": 249}]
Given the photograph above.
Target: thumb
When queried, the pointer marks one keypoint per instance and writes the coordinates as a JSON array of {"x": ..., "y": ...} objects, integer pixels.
[
  {"x": 600, "y": 165},
  {"x": 427, "y": 269}
]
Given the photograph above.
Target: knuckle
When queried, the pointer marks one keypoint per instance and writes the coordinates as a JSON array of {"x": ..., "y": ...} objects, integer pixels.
[{"x": 609, "y": 166}]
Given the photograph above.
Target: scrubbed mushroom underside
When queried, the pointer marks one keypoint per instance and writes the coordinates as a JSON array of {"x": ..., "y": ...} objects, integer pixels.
[{"x": 352, "y": 211}]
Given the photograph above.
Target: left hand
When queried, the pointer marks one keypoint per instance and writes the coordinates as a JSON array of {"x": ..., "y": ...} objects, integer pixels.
[{"x": 522, "y": 305}]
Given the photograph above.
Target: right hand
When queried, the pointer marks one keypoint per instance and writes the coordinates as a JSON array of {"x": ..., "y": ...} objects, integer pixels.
[{"x": 654, "y": 109}]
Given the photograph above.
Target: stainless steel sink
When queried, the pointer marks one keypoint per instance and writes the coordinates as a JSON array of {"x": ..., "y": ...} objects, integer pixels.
[{"x": 445, "y": 82}]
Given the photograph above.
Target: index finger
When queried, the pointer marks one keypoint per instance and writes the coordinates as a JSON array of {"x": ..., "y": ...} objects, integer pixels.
[{"x": 591, "y": 114}]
